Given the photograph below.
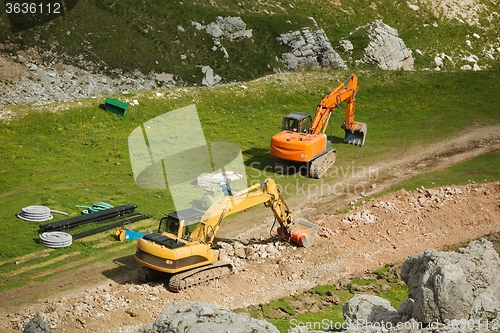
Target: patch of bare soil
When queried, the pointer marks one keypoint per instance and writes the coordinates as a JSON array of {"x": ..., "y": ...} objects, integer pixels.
[{"x": 378, "y": 231}]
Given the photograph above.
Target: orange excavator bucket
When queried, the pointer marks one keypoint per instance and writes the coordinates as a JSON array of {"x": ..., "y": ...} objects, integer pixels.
[
  {"x": 303, "y": 234},
  {"x": 356, "y": 135}
]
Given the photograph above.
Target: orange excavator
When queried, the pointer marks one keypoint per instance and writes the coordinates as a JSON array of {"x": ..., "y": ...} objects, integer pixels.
[{"x": 302, "y": 139}]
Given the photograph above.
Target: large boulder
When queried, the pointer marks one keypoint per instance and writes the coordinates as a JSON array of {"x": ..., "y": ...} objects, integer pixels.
[
  {"x": 195, "y": 317},
  {"x": 37, "y": 325},
  {"x": 368, "y": 309},
  {"x": 310, "y": 49},
  {"x": 454, "y": 285},
  {"x": 386, "y": 49}
]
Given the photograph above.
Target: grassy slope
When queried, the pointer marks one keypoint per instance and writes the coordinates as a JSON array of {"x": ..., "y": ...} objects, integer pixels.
[{"x": 132, "y": 35}]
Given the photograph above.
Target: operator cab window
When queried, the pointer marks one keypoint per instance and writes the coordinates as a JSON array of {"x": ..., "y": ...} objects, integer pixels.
[
  {"x": 305, "y": 124},
  {"x": 290, "y": 124},
  {"x": 168, "y": 224},
  {"x": 296, "y": 122}
]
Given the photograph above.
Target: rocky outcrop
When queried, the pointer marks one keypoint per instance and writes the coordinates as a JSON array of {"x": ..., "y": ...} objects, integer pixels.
[
  {"x": 454, "y": 285},
  {"x": 385, "y": 49},
  {"x": 310, "y": 49},
  {"x": 195, "y": 317},
  {"x": 448, "y": 292},
  {"x": 232, "y": 28}
]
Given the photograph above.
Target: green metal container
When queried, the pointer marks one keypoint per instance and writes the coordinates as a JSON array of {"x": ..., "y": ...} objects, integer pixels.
[{"x": 115, "y": 106}]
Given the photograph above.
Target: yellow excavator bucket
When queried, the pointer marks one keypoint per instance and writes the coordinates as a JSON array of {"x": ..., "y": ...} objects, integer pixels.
[
  {"x": 303, "y": 234},
  {"x": 356, "y": 136}
]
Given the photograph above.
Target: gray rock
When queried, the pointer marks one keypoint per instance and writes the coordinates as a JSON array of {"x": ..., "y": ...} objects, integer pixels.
[
  {"x": 210, "y": 79},
  {"x": 230, "y": 27},
  {"x": 310, "y": 49},
  {"x": 37, "y": 325},
  {"x": 369, "y": 309},
  {"x": 194, "y": 317},
  {"x": 450, "y": 285},
  {"x": 386, "y": 49}
]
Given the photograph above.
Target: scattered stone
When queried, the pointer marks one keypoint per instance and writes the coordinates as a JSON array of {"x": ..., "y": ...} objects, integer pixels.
[{"x": 359, "y": 218}]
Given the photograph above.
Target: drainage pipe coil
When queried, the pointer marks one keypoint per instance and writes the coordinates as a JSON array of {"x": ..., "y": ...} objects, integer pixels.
[{"x": 55, "y": 239}]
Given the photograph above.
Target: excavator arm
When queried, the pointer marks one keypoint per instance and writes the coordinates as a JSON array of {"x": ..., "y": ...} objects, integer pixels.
[
  {"x": 267, "y": 192},
  {"x": 345, "y": 91}
]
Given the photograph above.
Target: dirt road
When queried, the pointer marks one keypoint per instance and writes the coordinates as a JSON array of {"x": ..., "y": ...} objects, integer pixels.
[{"x": 379, "y": 231}]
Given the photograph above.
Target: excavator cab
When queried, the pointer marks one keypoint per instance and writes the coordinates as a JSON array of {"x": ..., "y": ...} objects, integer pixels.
[
  {"x": 180, "y": 223},
  {"x": 296, "y": 122}
]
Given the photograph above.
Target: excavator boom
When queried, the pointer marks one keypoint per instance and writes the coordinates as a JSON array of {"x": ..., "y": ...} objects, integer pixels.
[{"x": 300, "y": 232}]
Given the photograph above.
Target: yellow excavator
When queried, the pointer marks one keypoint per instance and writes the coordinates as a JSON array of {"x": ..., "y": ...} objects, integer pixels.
[
  {"x": 183, "y": 245},
  {"x": 302, "y": 139}
]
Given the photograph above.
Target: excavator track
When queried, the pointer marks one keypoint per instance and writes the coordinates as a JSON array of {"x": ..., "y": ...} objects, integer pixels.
[
  {"x": 199, "y": 275},
  {"x": 322, "y": 164}
]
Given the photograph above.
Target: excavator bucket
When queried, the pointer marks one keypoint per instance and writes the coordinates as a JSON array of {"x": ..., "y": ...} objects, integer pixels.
[
  {"x": 303, "y": 234},
  {"x": 357, "y": 135}
]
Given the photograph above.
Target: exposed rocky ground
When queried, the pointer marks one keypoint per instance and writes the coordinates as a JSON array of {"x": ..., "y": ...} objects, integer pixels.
[
  {"x": 448, "y": 292},
  {"x": 382, "y": 230}
]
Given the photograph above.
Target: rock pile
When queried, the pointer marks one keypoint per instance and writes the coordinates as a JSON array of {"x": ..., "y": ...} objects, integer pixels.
[
  {"x": 434, "y": 197},
  {"x": 359, "y": 218},
  {"x": 234, "y": 252}
]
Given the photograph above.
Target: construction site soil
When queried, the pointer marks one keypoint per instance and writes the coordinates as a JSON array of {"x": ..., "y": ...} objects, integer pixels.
[{"x": 374, "y": 232}]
